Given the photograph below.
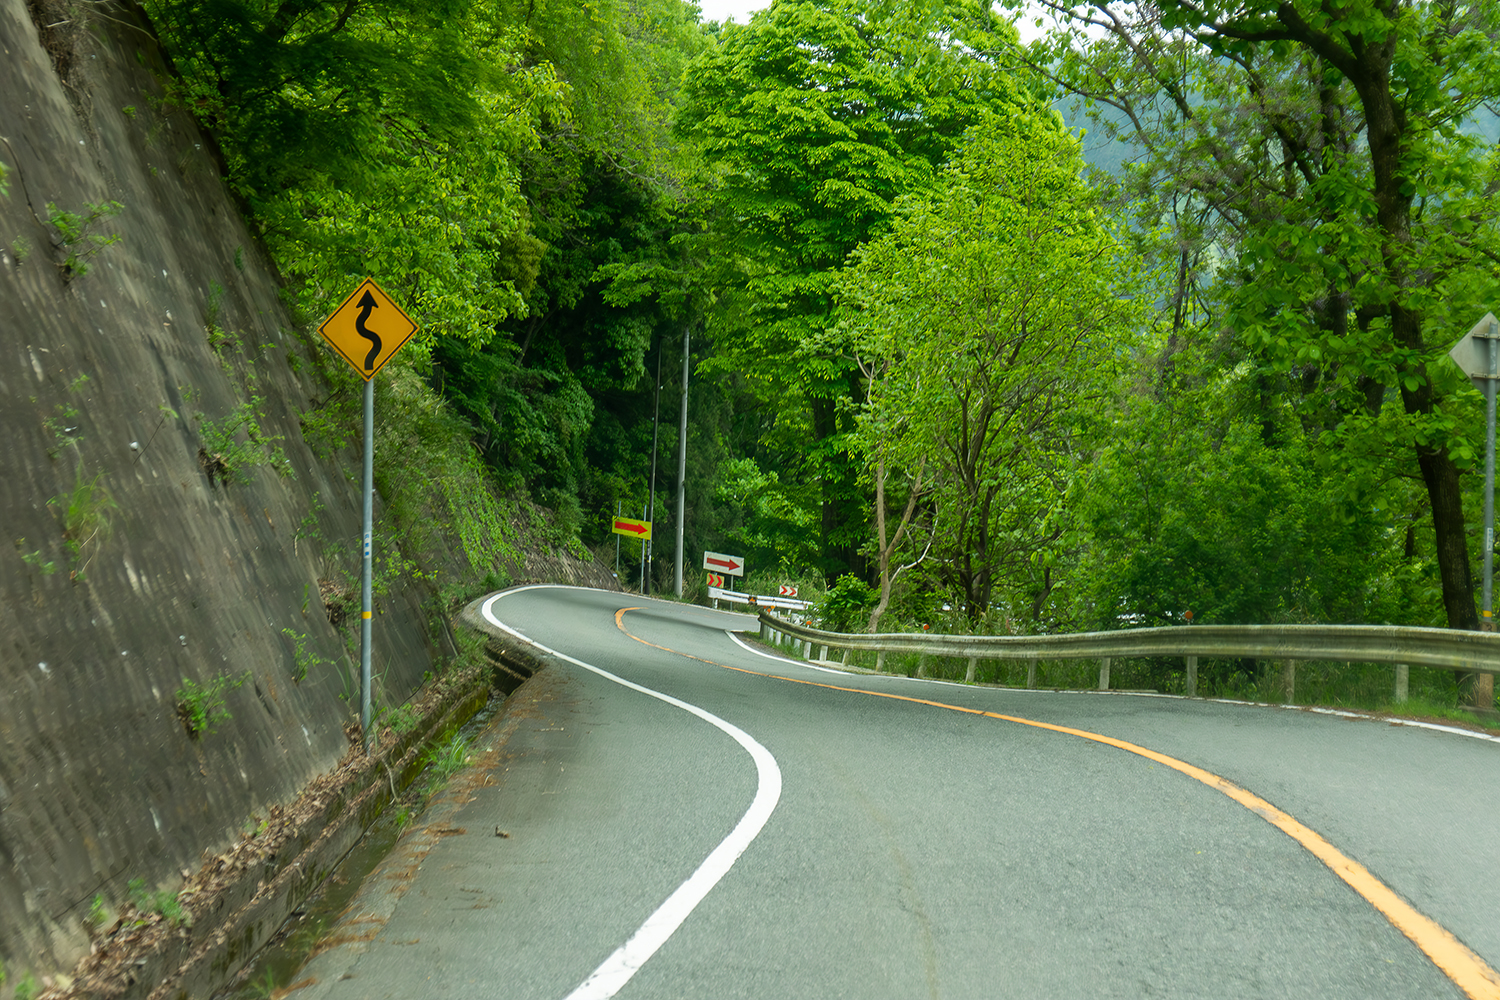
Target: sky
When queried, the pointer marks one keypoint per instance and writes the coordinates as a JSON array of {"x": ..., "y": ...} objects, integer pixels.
[{"x": 740, "y": 10}]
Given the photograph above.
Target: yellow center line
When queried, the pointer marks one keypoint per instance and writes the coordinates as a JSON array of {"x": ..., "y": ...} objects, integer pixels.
[{"x": 1467, "y": 970}]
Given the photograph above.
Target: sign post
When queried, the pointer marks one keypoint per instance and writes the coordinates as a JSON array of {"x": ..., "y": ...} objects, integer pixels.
[
  {"x": 367, "y": 342},
  {"x": 1478, "y": 354}
]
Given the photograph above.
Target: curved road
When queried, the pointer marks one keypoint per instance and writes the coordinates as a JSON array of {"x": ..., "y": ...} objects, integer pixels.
[{"x": 665, "y": 812}]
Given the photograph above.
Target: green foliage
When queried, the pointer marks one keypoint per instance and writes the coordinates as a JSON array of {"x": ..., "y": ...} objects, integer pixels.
[
  {"x": 34, "y": 558},
  {"x": 1233, "y": 529},
  {"x": 201, "y": 707},
  {"x": 217, "y": 339},
  {"x": 987, "y": 322},
  {"x": 814, "y": 120},
  {"x": 402, "y": 719},
  {"x": 304, "y": 659},
  {"x": 98, "y": 914},
  {"x": 236, "y": 442},
  {"x": 87, "y": 516},
  {"x": 161, "y": 902},
  {"x": 64, "y": 427},
  {"x": 28, "y": 988},
  {"x": 431, "y": 477},
  {"x": 78, "y": 236},
  {"x": 443, "y": 761},
  {"x": 765, "y": 519},
  {"x": 1327, "y": 203},
  {"x": 846, "y": 606}
]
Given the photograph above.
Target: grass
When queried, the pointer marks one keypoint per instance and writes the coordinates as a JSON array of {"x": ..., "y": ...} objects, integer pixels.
[
  {"x": 443, "y": 761},
  {"x": 86, "y": 513}
]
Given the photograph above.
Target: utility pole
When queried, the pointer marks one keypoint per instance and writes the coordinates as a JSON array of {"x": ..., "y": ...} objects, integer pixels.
[
  {"x": 655, "y": 432},
  {"x": 682, "y": 458}
]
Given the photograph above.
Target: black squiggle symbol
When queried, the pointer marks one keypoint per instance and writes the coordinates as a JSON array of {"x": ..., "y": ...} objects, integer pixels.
[{"x": 368, "y": 305}]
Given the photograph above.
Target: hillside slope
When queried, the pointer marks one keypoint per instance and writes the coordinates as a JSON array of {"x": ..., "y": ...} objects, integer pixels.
[{"x": 165, "y": 520}]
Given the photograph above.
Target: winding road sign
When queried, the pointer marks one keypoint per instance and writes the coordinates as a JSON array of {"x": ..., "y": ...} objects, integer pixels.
[
  {"x": 632, "y": 527},
  {"x": 368, "y": 329},
  {"x": 718, "y": 562}
]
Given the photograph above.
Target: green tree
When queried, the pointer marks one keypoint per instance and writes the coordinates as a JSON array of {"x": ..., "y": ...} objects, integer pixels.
[
  {"x": 1319, "y": 151},
  {"x": 813, "y": 120},
  {"x": 995, "y": 308}
]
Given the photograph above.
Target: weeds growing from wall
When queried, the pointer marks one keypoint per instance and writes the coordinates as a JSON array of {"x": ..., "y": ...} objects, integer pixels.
[
  {"x": 87, "y": 513},
  {"x": 79, "y": 237},
  {"x": 236, "y": 443},
  {"x": 162, "y": 902},
  {"x": 201, "y": 706},
  {"x": 304, "y": 659}
]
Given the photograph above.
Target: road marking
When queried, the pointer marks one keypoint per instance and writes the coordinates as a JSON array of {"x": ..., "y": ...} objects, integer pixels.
[
  {"x": 770, "y": 656},
  {"x": 1460, "y": 964},
  {"x": 615, "y": 971}
]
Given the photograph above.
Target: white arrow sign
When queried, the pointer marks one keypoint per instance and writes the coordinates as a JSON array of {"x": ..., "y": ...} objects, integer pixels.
[{"x": 718, "y": 562}]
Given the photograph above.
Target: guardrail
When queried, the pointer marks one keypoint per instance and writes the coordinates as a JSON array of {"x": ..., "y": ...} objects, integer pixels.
[
  {"x": 1448, "y": 649},
  {"x": 717, "y": 594}
]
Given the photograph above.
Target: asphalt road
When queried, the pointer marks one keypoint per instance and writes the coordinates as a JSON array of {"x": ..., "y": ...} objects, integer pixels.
[{"x": 897, "y": 849}]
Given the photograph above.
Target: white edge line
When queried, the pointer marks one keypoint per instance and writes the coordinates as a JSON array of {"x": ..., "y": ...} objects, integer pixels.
[
  {"x": 616, "y": 970},
  {"x": 780, "y": 659}
]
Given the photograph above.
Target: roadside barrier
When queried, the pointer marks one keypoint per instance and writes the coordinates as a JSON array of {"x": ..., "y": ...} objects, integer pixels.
[
  {"x": 1447, "y": 649},
  {"x": 717, "y": 594}
]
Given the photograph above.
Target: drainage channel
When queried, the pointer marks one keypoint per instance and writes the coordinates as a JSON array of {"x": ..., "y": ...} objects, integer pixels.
[{"x": 278, "y": 962}]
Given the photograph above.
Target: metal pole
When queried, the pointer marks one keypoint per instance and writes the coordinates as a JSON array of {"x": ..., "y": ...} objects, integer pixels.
[
  {"x": 655, "y": 431},
  {"x": 617, "y": 542},
  {"x": 1488, "y": 624},
  {"x": 366, "y": 603},
  {"x": 682, "y": 460}
]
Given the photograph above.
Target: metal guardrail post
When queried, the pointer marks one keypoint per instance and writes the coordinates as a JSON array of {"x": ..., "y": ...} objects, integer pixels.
[
  {"x": 973, "y": 666},
  {"x": 1403, "y": 676},
  {"x": 1192, "y": 677},
  {"x": 880, "y": 661},
  {"x": 847, "y": 653},
  {"x": 1031, "y": 671},
  {"x": 1104, "y": 674},
  {"x": 1289, "y": 673}
]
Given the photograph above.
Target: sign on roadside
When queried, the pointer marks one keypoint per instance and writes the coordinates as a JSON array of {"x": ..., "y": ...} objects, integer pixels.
[
  {"x": 788, "y": 591},
  {"x": 368, "y": 329},
  {"x": 718, "y": 562},
  {"x": 716, "y": 579},
  {"x": 632, "y": 527}
]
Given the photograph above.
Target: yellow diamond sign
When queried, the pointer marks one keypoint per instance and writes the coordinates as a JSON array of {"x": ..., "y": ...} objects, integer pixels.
[{"x": 368, "y": 329}]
